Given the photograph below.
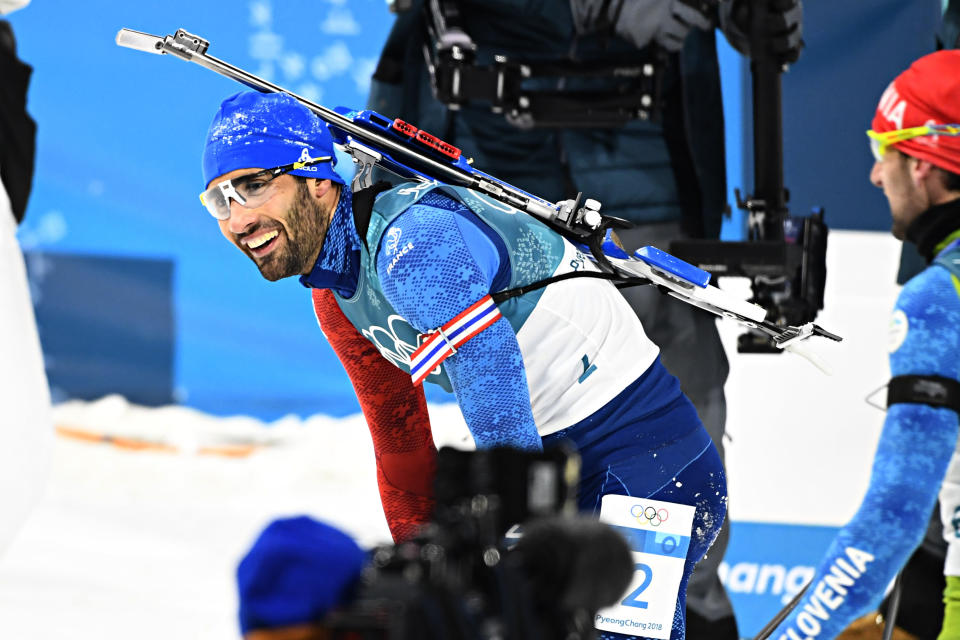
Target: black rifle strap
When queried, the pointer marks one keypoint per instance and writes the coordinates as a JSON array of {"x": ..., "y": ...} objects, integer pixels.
[
  {"x": 935, "y": 391},
  {"x": 620, "y": 281},
  {"x": 363, "y": 207}
]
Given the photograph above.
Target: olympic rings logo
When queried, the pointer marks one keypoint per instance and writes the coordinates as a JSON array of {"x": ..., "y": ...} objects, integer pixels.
[{"x": 649, "y": 515}]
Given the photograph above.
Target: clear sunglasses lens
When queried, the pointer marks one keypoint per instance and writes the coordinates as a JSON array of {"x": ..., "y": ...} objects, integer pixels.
[
  {"x": 875, "y": 149},
  {"x": 250, "y": 192},
  {"x": 255, "y": 192},
  {"x": 216, "y": 203}
]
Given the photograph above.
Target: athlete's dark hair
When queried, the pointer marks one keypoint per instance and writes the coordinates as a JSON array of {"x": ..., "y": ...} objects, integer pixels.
[{"x": 951, "y": 180}]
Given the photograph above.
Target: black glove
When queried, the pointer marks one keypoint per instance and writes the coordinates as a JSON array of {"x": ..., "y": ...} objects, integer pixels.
[
  {"x": 779, "y": 25},
  {"x": 640, "y": 22},
  {"x": 683, "y": 18}
]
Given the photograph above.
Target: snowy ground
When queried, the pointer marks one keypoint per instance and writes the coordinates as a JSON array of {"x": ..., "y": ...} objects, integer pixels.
[{"x": 143, "y": 544}]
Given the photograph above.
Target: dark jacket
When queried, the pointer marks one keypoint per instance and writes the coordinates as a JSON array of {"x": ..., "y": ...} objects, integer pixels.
[
  {"x": 670, "y": 169},
  {"x": 18, "y": 131}
]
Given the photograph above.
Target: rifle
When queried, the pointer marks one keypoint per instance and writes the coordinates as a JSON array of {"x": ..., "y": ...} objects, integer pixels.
[{"x": 374, "y": 140}]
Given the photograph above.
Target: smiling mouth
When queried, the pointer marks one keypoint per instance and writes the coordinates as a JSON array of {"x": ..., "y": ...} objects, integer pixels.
[{"x": 262, "y": 243}]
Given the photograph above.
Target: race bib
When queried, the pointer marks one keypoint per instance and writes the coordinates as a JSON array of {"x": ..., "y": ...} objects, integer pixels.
[{"x": 659, "y": 535}]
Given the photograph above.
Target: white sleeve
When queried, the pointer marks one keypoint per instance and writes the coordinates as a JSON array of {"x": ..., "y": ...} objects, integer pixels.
[{"x": 27, "y": 425}]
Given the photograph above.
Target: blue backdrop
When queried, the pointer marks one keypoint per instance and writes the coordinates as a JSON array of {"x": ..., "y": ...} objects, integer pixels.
[
  {"x": 853, "y": 50},
  {"x": 118, "y": 173}
]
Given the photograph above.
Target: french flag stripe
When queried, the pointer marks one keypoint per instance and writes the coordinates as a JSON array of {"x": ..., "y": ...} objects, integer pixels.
[
  {"x": 455, "y": 327},
  {"x": 435, "y": 349}
]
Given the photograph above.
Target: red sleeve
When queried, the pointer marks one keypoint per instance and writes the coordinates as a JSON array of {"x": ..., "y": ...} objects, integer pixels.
[{"x": 396, "y": 412}]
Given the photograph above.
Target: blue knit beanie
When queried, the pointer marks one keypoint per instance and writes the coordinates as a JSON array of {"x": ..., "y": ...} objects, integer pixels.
[
  {"x": 296, "y": 571},
  {"x": 266, "y": 130}
]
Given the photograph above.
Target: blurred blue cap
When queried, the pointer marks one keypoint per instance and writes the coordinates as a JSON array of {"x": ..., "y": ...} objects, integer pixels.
[{"x": 297, "y": 570}]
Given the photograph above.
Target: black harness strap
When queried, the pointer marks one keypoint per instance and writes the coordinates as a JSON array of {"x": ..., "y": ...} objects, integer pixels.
[
  {"x": 363, "y": 207},
  {"x": 935, "y": 391},
  {"x": 620, "y": 281}
]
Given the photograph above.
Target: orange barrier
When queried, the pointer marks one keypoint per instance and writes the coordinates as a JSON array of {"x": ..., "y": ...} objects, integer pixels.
[{"x": 131, "y": 443}]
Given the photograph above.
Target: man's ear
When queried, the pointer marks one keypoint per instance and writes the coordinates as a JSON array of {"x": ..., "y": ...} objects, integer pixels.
[
  {"x": 320, "y": 188},
  {"x": 930, "y": 178},
  {"x": 922, "y": 171}
]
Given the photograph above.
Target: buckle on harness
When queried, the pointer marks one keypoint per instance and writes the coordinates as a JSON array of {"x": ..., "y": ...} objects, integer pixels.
[{"x": 445, "y": 337}]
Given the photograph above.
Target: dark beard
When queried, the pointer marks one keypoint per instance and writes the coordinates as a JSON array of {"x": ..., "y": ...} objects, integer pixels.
[{"x": 306, "y": 229}]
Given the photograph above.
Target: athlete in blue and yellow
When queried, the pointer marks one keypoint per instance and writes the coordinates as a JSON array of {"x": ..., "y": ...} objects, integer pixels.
[
  {"x": 916, "y": 141},
  {"x": 388, "y": 264}
]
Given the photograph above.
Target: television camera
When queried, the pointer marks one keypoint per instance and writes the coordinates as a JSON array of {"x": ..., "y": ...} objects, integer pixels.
[{"x": 504, "y": 557}]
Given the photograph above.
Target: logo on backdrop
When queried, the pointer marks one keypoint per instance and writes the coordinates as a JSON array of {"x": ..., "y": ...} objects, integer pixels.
[{"x": 781, "y": 580}]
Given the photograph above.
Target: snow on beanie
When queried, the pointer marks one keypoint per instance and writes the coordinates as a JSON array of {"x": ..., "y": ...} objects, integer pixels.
[{"x": 255, "y": 130}]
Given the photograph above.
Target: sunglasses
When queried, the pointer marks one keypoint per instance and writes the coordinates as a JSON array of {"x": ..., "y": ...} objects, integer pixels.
[
  {"x": 879, "y": 141},
  {"x": 251, "y": 190}
]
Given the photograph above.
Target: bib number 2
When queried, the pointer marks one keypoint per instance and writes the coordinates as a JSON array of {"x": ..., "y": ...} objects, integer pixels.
[
  {"x": 658, "y": 534},
  {"x": 633, "y": 600}
]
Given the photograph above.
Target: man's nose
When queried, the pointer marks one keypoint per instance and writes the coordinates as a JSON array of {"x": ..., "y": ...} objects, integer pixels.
[
  {"x": 875, "y": 175},
  {"x": 241, "y": 218}
]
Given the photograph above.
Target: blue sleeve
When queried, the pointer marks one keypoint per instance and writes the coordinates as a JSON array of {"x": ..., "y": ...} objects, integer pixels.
[
  {"x": 444, "y": 264},
  {"x": 911, "y": 459}
]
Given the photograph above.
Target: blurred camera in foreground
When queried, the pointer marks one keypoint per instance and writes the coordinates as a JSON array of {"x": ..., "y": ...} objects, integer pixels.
[{"x": 504, "y": 557}]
